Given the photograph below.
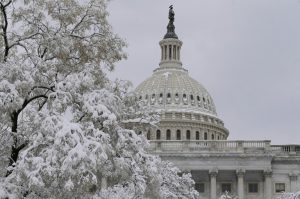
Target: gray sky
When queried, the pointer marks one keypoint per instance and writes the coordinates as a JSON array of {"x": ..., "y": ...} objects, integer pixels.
[{"x": 246, "y": 53}]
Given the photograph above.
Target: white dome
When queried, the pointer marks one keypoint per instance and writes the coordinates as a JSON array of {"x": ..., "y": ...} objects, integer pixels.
[
  {"x": 172, "y": 89},
  {"x": 187, "y": 111}
]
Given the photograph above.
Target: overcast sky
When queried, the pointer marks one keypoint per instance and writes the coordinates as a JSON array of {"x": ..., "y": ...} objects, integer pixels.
[{"x": 246, "y": 53}]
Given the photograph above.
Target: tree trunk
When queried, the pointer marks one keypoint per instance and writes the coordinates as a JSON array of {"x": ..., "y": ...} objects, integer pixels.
[{"x": 14, "y": 149}]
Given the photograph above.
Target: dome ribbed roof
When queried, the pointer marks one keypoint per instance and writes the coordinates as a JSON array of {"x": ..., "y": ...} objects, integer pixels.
[{"x": 172, "y": 89}]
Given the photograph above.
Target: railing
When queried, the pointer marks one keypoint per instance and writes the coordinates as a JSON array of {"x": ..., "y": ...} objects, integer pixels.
[
  {"x": 201, "y": 145},
  {"x": 238, "y": 146},
  {"x": 291, "y": 149}
]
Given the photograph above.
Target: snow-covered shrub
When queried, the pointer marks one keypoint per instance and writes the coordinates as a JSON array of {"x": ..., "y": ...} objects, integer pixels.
[
  {"x": 226, "y": 195},
  {"x": 290, "y": 195}
]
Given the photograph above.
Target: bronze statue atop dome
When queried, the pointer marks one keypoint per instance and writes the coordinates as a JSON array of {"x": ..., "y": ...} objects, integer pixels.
[
  {"x": 171, "y": 14},
  {"x": 171, "y": 28}
]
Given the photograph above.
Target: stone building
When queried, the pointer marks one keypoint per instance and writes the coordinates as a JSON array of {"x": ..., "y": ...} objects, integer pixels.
[{"x": 193, "y": 137}]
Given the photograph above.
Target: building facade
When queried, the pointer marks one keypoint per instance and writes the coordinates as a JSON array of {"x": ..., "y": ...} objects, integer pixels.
[{"x": 193, "y": 137}]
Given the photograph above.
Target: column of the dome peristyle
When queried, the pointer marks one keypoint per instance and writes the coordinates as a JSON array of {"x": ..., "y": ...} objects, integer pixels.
[
  {"x": 240, "y": 174},
  {"x": 170, "y": 52},
  {"x": 213, "y": 183}
]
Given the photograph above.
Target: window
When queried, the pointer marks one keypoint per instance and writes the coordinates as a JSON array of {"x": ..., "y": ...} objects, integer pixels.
[
  {"x": 140, "y": 97},
  {"x": 197, "y": 135},
  {"x": 253, "y": 188},
  {"x": 176, "y": 95},
  {"x": 205, "y": 136},
  {"x": 279, "y": 187},
  {"x": 198, "y": 98},
  {"x": 165, "y": 52},
  {"x": 192, "y": 97},
  {"x": 200, "y": 187},
  {"x": 146, "y": 97},
  {"x": 203, "y": 99},
  {"x": 178, "y": 135},
  {"x": 153, "y": 96},
  {"x": 148, "y": 135},
  {"x": 188, "y": 135},
  {"x": 168, "y": 134},
  {"x": 184, "y": 95},
  {"x": 218, "y": 137},
  {"x": 161, "y": 95},
  {"x": 226, "y": 187},
  {"x": 158, "y": 134},
  {"x": 174, "y": 52},
  {"x": 212, "y": 136},
  {"x": 169, "y": 95}
]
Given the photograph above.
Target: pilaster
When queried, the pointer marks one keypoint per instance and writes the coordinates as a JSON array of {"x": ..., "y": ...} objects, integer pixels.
[
  {"x": 268, "y": 183},
  {"x": 213, "y": 183},
  {"x": 293, "y": 180},
  {"x": 240, "y": 175}
]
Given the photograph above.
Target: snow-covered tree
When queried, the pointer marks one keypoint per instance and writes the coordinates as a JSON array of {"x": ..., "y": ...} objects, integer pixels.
[{"x": 60, "y": 132}]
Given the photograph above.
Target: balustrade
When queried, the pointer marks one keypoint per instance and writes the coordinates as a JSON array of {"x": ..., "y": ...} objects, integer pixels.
[{"x": 200, "y": 145}]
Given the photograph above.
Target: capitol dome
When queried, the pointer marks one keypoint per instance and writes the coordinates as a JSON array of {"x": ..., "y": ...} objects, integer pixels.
[
  {"x": 187, "y": 110},
  {"x": 173, "y": 89}
]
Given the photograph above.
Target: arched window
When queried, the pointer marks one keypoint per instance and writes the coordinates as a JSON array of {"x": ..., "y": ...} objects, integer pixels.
[
  {"x": 160, "y": 95},
  {"x": 165, "y": 52},
  {"x": 174, "y": 52},
  {"x": 205, "y": 136},
  {"x": 218, "y": 137},
  {"x": 158, "y": 134},
  {"x": 203, "y": 99},
  {"x": 140, "y": 97},
  {"x": 197, "y": 135},
  {"x": 188, "y": 135},
  {"x": 176, "y": 95},
  {"x": 169, "y": 95},
  {"x": 153, "y": 95},
  {"x": 168, "y": 134},
  {"x": 148, "y": 135},
  {"x": 212, "y": 136},
  {"x": 184, "y": 95},
  {"x": 178, "y": 135},
  {"x": 192, "y": 97},
  {"x": 198, "y": 98}
]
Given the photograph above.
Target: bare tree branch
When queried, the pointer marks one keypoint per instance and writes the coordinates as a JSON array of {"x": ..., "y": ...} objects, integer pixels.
[{"x": 4, "y": 29}]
